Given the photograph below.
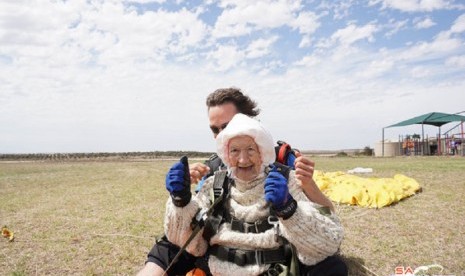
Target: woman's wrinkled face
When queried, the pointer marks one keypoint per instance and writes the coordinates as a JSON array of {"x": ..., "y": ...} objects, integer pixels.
[{"x": 244, "y": 157}]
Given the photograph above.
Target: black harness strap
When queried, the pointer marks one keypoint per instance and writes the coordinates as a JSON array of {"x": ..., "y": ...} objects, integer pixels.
[
  {"x": 282, "y": 169},
  {"x": 221, "y": 185},
  {"x": 247, "y": 227},
  {"x": 214, "y": 163},
  {"x": 249, "y": 257},
  {"x": 242, "y": 226}
]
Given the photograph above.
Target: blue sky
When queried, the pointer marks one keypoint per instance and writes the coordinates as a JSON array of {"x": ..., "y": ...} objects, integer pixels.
[{"x": 91, "y": 76}]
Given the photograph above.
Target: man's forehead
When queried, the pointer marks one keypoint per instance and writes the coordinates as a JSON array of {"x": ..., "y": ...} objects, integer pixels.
[
  {"x": 219, "y": 118},
  {"x": 226, "y": 108}
]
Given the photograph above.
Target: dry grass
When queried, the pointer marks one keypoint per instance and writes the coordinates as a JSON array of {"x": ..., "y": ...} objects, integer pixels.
[{"x": 101, "y": 218}]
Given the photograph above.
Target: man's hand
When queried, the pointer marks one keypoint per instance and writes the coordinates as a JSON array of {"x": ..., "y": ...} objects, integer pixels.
[
  {"x": 197, "y": 171},
  {"x": 304, "y": 169}
]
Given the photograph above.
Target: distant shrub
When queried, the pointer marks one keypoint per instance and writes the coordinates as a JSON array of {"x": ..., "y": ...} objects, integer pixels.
[
  {"x": 367, "y": 151},
  {"x": 342, "y": 154}
]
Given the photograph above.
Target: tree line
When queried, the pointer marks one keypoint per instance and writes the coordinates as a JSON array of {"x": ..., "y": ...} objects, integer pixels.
[{"x": 101, "y": 155}]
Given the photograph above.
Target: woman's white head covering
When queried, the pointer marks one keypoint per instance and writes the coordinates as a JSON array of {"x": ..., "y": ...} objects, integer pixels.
[{"x": 244, "y": 125}]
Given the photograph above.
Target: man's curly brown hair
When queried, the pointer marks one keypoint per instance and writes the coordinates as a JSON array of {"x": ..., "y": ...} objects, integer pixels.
[{"x": 243, "y": 103}]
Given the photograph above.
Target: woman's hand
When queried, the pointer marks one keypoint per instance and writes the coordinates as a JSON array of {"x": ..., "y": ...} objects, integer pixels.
[
  {"x": 178, "y": 183},
  {"x": 277, "y": 193}
]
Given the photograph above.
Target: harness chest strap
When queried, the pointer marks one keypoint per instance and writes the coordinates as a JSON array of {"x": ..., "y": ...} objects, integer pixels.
[
  {"x": 246, "y": 227},
  {"x": 250, "y": 257}
]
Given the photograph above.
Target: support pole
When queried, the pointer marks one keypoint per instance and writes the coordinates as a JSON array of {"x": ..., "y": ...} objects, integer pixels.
[
  {"x": 462, "y": 146},
  {"x": 382, "y": 141},
  {"x": 461, "y": 127},
  {"x": 423, "y": 150},
  {"x": 439, "y": 143}
]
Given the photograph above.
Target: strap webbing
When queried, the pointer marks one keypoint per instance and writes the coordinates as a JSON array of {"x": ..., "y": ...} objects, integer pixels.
[
  {"x": 245, "y": 227},
  {"x": 250, "y": 257},
  {"x": 220, "y": 192}
]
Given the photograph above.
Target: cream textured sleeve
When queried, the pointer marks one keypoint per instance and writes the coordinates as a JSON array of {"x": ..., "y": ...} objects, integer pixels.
[
  {"x": 178, "y": 227},
  {"x": 315, "y": 235},
  {"x": 177, "y": 224}
]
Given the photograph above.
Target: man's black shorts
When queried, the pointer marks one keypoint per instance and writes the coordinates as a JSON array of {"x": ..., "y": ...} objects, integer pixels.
[{"x": 163, "y": 252}]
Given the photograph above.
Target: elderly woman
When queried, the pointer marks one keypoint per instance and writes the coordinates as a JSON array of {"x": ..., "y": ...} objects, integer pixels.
[{"x": 266, "y": 220}]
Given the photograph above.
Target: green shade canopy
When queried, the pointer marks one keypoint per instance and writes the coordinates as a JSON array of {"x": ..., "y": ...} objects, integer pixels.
[{"x": 434, "y": 118}]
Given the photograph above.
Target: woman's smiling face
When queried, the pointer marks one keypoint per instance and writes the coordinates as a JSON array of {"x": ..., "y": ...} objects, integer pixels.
[{"x": 244, "y": 157}]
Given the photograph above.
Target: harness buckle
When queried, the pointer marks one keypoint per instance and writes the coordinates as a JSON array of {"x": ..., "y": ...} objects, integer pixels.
[
  {"x": 273, "y": 220},
  {"x": 217, "y": 192},
  {"x": 200, "y": 217}
]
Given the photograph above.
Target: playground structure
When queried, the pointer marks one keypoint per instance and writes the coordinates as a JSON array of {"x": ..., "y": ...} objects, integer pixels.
[
  {"x": 413, "y": 145},
  {"x": 450, "y": 142}
]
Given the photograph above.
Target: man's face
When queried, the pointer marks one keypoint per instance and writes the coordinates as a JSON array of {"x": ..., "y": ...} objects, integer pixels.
[
  {"x": 244, "y": 157},
  {"x": 219, "y": 117}
]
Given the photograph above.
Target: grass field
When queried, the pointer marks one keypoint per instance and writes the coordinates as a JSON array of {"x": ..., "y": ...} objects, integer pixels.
[{"x": 101, "y": 218}]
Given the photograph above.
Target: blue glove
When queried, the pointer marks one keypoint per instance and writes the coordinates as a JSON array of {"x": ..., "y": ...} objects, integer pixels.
[
  {"x": 178, "y": 183},
  {"x": 277, "y": 193}
]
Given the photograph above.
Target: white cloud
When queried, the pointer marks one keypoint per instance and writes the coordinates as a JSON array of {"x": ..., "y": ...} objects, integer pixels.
[
  {"x": 306, "y": 22},
  {"x": 340, "y": 9},
  {"x": 305, "y": 42},
  {"x": 103, "y": 32},
  {"x": 225, "y": 57},
  {"x": 459, "y": 25},
  {"x": 423, "y": 51},
  {"x": 260, "y": 47},
  {"x": 456, "y": 61},
  {"x": 395, "y": 26},
  {"x": 24, "y": 25},
  {"x": 145, "y": 1},
  {"x": 377, "y": 68},
  {"x": 268, "y": 67},
  {"x": 242, "y": 17},
  {"x": 308, "y": 61},
  {"x": 425, "y": 24},
  {"x": 149, "y": 35},
  {"x": 353, "y": 33},
  {"x": 420, "y": 72},
  {"x": 103, "y": 76},
  {"x": 415, "y": 5}
]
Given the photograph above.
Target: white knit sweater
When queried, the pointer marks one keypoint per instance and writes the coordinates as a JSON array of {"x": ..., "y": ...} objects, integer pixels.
[{"x": 314, "y": 235}]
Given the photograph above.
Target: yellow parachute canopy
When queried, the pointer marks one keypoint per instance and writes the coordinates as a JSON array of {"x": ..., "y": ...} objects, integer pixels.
[{"x": 370, "y": 192}]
